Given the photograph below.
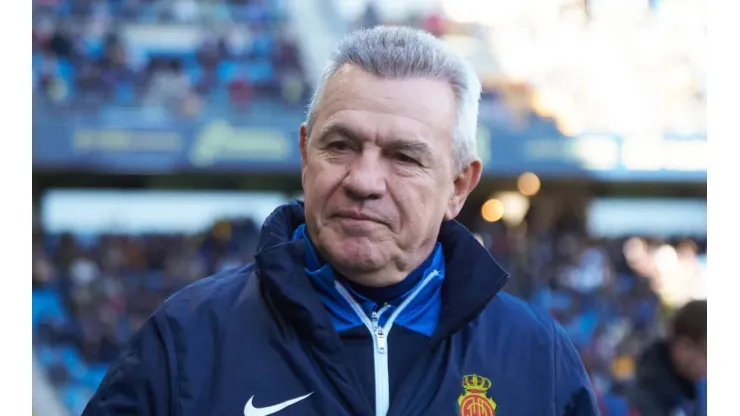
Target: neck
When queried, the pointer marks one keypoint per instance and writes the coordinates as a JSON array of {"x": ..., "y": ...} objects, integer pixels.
[
  {"x": 377, "y": 278},
  {"x": 393, "y": 273}
]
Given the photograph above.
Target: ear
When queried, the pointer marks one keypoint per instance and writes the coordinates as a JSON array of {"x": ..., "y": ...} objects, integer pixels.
[
  {"x": 303, "y": 144},
  {"x": 464, "y": 184},
  {"x": 303, "y": 148}
]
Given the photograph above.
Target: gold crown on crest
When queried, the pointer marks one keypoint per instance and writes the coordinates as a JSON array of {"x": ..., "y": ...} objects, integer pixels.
[{"x": 476, "y": 384}]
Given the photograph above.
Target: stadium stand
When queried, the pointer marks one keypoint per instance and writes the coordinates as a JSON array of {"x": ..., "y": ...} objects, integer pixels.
[
  {"x": 91, "y": 292},
  {"x": 196, "y": 58},
  {"x": 160, "y": 53}
]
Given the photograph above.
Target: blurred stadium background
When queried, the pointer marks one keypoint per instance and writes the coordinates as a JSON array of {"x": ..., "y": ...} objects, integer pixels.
[{"x": 164, "y": 131}]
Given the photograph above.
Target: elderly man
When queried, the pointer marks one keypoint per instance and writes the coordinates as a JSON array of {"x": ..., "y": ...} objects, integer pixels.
[{"x": 367, "y": 299}]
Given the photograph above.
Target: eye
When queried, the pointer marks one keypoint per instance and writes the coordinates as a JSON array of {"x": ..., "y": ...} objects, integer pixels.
[
  {"x": 406, "y": 159},
  {"x": 340, "y": 146}
]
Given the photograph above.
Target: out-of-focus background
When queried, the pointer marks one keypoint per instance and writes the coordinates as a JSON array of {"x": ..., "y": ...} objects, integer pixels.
[{"x": 164, "y": 132}]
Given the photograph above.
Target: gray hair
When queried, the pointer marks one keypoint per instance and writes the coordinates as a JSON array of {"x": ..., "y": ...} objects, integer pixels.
[{"x": 402, "y": 52}]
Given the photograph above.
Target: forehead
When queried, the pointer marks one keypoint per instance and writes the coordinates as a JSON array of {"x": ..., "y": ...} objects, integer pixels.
[{"x": 378, "y": 108}]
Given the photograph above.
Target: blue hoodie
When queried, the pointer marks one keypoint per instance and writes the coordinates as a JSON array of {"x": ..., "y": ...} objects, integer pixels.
[{"x": 286, "y": 335}]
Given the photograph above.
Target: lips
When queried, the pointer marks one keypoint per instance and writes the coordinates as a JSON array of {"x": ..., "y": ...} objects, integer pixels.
[{"x": 358, "y": 216}]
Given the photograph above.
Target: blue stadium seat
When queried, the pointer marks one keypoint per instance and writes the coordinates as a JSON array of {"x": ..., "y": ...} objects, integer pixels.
[
  {"x": 75, "y": 398},
  {"x": 194, "y": 72},
  {"x": 51, "y": 243},
  {"x": 46, "y": 355},
  {"x": 35, "y": 68},
  {"x": 45, "y": 304},
  {"x": 154, "y": 281},
  {"x": 95, "y": 375},
  {"x": 262, "y": 45},
  {"x": 93, "y": 47},
  {"x": 87, "y": 241},
  {"x": 226, "y": 71},
  {"x": 65, "y": 70},
  {"x": 260, "y": 72},
  {"x": 125, "y": 93}
]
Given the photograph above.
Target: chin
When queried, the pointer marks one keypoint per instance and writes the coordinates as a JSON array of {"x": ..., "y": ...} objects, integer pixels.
[{"x": 355, "y": 253}]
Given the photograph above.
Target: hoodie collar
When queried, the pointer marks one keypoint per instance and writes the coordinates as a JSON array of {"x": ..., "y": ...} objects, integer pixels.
[
  {"x": 472, "y": 278},
  {"x": 317, "y": 268}
]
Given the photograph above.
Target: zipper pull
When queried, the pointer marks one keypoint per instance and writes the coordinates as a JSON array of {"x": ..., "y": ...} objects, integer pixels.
[{"x": 380, "y": 336}]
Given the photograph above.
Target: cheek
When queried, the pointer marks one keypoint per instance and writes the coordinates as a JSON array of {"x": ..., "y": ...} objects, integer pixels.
[
  {"x": 319, "y": 182},
  {"x": 421, "y": 203}
]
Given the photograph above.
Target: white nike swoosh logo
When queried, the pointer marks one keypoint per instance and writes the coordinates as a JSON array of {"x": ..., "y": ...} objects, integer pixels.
[{"x": 250, "y": 410}]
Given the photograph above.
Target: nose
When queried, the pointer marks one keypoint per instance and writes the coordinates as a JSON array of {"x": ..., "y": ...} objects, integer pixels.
[{"x": 366, "y": 178}]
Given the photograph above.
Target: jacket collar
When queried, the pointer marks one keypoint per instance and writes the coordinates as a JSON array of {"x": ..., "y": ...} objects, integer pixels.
[{"x": 472, "y": 278}]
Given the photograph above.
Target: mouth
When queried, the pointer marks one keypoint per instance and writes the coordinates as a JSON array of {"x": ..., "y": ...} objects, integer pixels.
[{"x": 358, "y": 216}]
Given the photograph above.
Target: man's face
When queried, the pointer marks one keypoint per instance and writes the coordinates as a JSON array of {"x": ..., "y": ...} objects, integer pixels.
[
  {"x": 378, "y": 174},
  {"x": 691, "y": 358}
]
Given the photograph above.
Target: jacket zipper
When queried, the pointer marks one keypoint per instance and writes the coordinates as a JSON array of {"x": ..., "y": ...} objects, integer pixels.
[
  {"x": 380, "y": 340},
  {"x": 380, "y": 359}
]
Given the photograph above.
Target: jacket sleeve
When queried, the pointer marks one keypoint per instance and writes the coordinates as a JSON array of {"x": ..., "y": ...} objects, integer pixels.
[
  {"x": 573, "y": 391},
  {"x": 140, "y": 381},
  {"x": 643, "y": 403}
]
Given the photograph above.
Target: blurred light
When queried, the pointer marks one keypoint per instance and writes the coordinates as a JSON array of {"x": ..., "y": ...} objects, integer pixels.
[
  {"x": 528, "y": 184},
  {"x": 623, "y": 368},
  {"x": 478, "y": 237},
  {"x": 634, "y": 250},
  {"x": 492, "y": 210},
  {"x": 515, "y": 207},
  {"x": 222, "y": 230},
  {"x": 475, "y": 11},
  {"x": 597, "y": 152},
  {"x": 464, "y": 45},
  {"x": 666, "y": 258},
  {"x": 569, "y": 125},
  {"x": 687, "y": 249},
  {"x": 541, "y": 104}
]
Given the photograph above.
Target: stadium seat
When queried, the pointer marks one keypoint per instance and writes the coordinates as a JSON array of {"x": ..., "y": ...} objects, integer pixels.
[
  {"x": 45, "y": 304},
  {"x": 227, "y": 71}
]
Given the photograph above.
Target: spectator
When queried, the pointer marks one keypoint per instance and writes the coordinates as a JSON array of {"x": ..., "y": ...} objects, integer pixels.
[
  {"x": 185, "y": 11},
  {"x": 671, "y": 370},
  {"x": 207, "y": 82},
  {"x": 97, "y": 76},
  {"x": 169, "y": 85},
  {"x": 435, "y": 24},
  {"x": 371, "y": 16},
  {"x": 114, "y": 287},
  {"x": 240, "y": 92},
  {"x": 212, "y": 52},
  {"x": 293, "y": 87}
]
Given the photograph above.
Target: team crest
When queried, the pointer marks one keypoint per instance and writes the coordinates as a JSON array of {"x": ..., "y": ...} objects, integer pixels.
[{"x": 475, "y": 402}]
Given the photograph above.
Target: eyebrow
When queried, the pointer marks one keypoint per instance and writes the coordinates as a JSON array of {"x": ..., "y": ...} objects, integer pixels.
[
  {"x": 399, "y": 145},
  {"x": 418, "y": 149},
  {"x": 337, "y": 130}
]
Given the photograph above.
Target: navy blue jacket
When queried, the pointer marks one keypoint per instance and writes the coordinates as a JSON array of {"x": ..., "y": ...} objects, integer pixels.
[{"x": 286, "y": 336}]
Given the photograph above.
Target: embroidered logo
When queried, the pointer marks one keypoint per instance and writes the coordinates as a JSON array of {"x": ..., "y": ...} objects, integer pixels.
[{"x": 475, "y": 402}]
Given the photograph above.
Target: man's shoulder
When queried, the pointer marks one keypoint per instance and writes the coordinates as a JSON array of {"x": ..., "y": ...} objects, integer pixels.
[
  {"x": 528, "y": 336},
  {"x": 509, "y": 313},
  {"x": 517, "y": 309},
  {"x": 219, "y": 294}
]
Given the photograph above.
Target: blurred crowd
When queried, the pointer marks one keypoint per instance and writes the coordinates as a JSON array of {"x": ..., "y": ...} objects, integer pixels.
[
  {"x": 560, "y": 60},
  {"x": 176, "y": 54},
  {"x": 613, "y": 296},
  {"x": 507, "y": 104},
  {"x": 92, "y": 292}
]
